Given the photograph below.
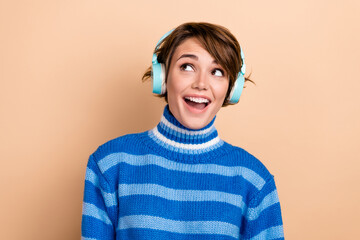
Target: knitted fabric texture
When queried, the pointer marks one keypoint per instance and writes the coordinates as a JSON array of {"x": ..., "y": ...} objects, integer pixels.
[{"x": 172, "y": 182}]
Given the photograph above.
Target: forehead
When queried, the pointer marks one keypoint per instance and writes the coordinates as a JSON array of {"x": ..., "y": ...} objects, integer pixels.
[{"x": 191, "y": 45}]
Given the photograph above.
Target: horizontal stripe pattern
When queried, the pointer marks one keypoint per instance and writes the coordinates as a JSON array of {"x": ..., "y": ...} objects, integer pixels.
[
  {"x": 187, "y": 148},
  {"x": 179, "y": 210},
  {"x": 184, "y": 227},
  {"x": 271, "y": 199},
  {"x": 182, "y": 152},
  {"x": 93, "y": 211},
  {"x": 171, "y": 126},
  {"x": 96, "y": 229},
  {"x": 270, "y": 233},
  {"x": 85, "y": 238},
  {"x": 146, "y": 234},
  {"x": 183, "y": 138},
  {"x": 109, "y": 198},
  {"x": 114, "y": 159},
  {"x": 173, "y": 136},
  {"x": 180, "y": 195}
]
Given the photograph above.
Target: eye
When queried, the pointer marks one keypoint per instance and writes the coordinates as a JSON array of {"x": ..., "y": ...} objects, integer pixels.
[
  {"x": 187, "y": 67},
  {"x": 218, "y": 72}
]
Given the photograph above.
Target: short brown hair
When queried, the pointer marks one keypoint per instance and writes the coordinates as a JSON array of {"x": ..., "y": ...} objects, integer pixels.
[{"x": 217, "y": 40}]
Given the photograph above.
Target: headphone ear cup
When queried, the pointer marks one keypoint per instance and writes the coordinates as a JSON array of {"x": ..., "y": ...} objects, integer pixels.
[
  {"x": 158, "y": 77},
  {"x": 236, "y": 91}
]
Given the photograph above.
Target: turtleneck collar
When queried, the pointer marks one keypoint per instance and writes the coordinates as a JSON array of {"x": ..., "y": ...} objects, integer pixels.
[{"x": 181, "y": 142}]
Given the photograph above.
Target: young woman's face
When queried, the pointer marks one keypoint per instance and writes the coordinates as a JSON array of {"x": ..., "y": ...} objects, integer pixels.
[{"x": 196, "y": 85}]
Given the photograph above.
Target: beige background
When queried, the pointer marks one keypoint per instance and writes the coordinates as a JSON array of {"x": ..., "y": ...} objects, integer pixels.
[{"x": 70, "y": 76}]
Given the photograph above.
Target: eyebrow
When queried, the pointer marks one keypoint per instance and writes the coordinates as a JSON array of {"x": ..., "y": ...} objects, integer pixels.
[
  {"x": 188, "y": 56},
  {"x": 193, "y": 57}
]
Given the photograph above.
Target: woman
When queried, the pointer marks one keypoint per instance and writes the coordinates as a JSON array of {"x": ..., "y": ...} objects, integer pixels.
[{"x": 180, "y": 180}]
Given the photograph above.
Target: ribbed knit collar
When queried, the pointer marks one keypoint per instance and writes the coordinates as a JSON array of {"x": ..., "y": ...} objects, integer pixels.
[{"x": 171, "y": 137}]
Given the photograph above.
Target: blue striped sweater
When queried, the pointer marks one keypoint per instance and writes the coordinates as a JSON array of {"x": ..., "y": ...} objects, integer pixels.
[{"x": 177, "y": 183}]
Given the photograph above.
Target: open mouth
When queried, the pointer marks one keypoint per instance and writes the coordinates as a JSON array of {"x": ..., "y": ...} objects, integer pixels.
[{"x": 197, "y": 102}]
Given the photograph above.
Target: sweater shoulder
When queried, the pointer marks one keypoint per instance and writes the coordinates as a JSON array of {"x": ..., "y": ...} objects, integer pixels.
[
  {"x": 129, "y": 143},
  {"x": 241, "y": 157},
  {"x": 107, "y": 156}
]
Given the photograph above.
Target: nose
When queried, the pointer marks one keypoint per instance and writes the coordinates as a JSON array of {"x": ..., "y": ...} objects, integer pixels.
[{"x": 201, "y": 81}]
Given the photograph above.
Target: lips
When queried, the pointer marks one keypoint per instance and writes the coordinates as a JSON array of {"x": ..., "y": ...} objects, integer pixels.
[{"x": 197, "y": 102}]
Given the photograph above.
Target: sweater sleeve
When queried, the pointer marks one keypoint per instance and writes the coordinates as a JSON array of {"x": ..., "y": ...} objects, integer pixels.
[
  {"x": 262, "y": 219},
  {"x": 99, "y": 211}
]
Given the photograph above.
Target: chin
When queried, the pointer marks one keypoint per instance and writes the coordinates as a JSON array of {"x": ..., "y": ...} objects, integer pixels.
[
  {"x": 195, "y": 126},
  {"x": 195, "y": 123}
]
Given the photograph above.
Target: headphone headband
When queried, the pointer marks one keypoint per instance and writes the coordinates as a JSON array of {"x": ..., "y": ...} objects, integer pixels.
[
  {"x": 154, "y": 59},
  {"x": 162, "y": 38}
]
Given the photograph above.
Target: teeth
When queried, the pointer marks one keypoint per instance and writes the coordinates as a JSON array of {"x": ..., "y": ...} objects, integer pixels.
[{"x": 197, "y": 100}]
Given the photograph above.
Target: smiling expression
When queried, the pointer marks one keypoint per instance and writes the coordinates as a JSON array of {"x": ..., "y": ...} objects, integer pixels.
[{"x": 196, "y": 85}]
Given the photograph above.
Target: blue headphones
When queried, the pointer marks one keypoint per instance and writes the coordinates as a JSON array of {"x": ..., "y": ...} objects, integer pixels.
[{"x": 158, "y": 75}]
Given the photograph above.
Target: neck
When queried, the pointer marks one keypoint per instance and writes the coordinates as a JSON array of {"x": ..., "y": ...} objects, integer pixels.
[{"x": 173, "y": 137}]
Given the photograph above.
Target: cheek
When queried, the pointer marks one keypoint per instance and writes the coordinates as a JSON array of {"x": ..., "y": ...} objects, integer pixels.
[
  {"x": 175, "y": 85},
  {"x": 173, "y": 92},
  {"x": 171, "y": 88},
  {"x": 220, "y": 89}
]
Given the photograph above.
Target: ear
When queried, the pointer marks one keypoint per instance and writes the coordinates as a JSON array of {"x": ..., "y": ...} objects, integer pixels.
[{"x": 163, "y": 79}]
